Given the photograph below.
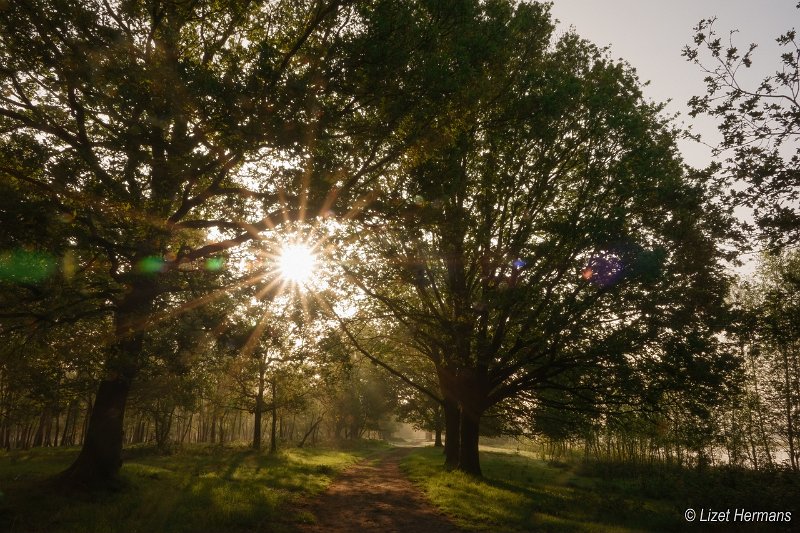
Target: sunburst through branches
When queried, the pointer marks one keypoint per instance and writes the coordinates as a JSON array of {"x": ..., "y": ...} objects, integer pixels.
[{"x": 297, "y": 263}]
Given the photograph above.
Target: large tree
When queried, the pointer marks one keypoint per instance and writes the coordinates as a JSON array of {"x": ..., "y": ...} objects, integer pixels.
[
  {"x": 555, "y": 242},
  {"x": 163, "y": 133}
]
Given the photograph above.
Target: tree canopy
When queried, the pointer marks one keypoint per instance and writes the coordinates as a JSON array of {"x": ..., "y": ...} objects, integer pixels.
[
  {"x": 513, "y": 228},
  {"x": 554, "y": 243},
  {"x": 156, "y": 136}
]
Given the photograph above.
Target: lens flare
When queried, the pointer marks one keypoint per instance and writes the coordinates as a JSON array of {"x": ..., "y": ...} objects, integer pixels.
[{"x": 25, "y": 266}]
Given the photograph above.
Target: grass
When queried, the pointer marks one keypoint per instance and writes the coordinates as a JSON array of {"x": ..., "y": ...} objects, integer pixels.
[
  {"x": 215, "y": 490},
  {"x": 208, "y": 489},
  {"x": 521, "y": 493}
]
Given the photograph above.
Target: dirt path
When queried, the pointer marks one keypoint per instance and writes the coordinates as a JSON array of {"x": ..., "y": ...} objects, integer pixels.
[{"x": 375, "y": 496}]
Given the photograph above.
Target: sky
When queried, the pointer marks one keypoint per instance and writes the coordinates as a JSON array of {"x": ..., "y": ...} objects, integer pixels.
[{"x": 650, "y": 35}]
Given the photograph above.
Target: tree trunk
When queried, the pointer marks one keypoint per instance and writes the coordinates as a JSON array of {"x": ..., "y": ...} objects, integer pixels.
[
  {"x": 259, "y": 407},
  {"x": 452, "y": 422},
  {"x": 452, "y": 429},
  {"x": 468, "y": 460},
  {"x": 273, "y": 442},
  {"x": 72, "y": 432},
  {"x": 438, "y": 442},
  {"x": 187, "y": 429},
  {"x": 44, "y": 419},
  {"x": 796, "y": 391},
  {"x": 213, "y": 426},
  {"x": 68, "y": 419},
  {"x": 310, "y": 431},
  {"x": 100, "y": 458},
  {"x": 101, "y": 455},
  {"x": 162, "y": 421},
  {"x": 138, "y": 431},
  {"x": 788, "y": 406},
  {"x": 56, "y": 433},
  {"x": 28, "y": 435},
  {"x": 86, "y": 416}
]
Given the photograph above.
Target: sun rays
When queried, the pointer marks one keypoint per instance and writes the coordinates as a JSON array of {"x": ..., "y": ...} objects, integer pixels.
[{"x": 272, "y": 267}]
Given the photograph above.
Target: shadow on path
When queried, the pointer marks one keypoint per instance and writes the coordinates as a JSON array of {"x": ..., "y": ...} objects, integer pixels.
[{"x": 375, "y": 496}]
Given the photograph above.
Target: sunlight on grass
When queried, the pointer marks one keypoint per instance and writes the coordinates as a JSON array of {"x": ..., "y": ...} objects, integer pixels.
[
  {"x": 201, "y": 488},
  {"x": 526, "y": 494}
]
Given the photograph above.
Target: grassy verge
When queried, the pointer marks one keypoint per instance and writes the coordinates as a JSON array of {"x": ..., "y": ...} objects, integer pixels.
[
  {"x": 520, "y": 493},
  {"x": 207, "y": 489}
]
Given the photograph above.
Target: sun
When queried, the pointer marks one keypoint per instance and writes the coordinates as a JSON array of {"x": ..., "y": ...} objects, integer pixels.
[{"x": 296, "y": 263}]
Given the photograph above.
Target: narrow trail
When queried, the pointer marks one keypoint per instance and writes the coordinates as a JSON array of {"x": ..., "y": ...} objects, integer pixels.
[{"x": 375, "y": 495}]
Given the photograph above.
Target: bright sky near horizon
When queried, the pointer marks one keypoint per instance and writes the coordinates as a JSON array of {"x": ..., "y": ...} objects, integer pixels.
[{"x": 650, "y": 35}]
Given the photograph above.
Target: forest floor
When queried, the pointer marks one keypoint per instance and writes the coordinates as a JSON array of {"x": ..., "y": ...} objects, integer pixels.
[
  {"x": 371, "y": 486},
  {"x": 374, "y": 495}
]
